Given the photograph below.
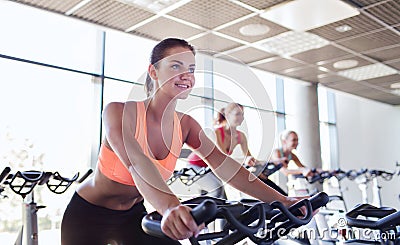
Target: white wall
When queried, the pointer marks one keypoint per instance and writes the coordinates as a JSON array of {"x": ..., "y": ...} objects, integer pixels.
[{"x": 369, "y": 137}]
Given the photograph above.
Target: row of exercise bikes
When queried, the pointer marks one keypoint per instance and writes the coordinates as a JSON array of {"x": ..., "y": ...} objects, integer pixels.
[
  {"x": 23, "y": 184},
  {"x": 248, "y": 221}
]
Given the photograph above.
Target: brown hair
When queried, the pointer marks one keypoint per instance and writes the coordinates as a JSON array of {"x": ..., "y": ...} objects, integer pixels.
[
  {"x": 159, "y": 52},
  {"x": 226, "y": 110}
]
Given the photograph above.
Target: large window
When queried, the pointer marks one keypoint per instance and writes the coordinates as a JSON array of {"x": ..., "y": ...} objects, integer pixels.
[
  {"x": 47, "y": 122},
  {"x": 48, "y": 38},
  {"x": 328, "y": 129}
]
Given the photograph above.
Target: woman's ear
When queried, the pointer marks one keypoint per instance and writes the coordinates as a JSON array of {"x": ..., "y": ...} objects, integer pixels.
[{"x": 152, "y": 72}]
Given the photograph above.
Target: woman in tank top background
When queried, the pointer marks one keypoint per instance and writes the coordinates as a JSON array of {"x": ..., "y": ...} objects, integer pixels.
[
  {"x": 227, "y": 138},
  {"x": 285, "y": 155},
  {"x": 289, "y": 142}
]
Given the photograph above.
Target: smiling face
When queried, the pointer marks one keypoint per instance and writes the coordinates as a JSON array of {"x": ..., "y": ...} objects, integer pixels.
[
  {"x": 292, "y": 141},
  {"x": 174, "y": 74}
]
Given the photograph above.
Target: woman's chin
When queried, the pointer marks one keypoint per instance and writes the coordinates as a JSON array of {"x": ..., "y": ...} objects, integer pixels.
[{"x": 183, "y": 95}]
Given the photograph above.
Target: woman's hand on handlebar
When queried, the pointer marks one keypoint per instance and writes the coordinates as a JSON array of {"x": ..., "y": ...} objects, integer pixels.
[
  {"x": 178, "y": 223},
  {"x": 251, "y": 161},
  {"x": 292, "y": 200}
]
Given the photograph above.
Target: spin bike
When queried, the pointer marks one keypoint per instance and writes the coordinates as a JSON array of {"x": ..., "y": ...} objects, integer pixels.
[
  {"x": 364, "y": 176},
  {"x": 260, "y": 222},
  {"x": 324, "y": 224},
  {"x": 373, "y": 225},
  {"x": 23, "y": 183}
]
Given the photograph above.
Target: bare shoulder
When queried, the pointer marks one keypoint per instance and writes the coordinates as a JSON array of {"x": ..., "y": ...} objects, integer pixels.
[
  {"x": 116, "y": 112},
  {"x": 186, "y": 120},
  {"x": 114, "y": 106}
]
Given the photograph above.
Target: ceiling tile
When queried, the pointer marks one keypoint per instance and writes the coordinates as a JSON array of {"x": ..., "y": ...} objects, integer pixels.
[
  {"x": 214, "y": 43},
  {"x": 161, "y": 28},
  {"x": 384, "y": 54},
  {"x": 348, "y": 86},
  {"x": 381, "y": 96},
  {"x": 262, "y": 4},
  {"x": 248, "y": 55},
  {"x": 388, "y": 12},
  {"x": 325, "y": 53},
  {"x": 112, "y": 14},
  {"x": 278, "y": 65},
  {"x": 372, "y": 41},
  {"x": 359, "y": 24},
  {"x": 366, "y": 3},
  {"x": 383, "y": 81},
  {"x": 209, "y": 13},
  {"x": 53, "y": 5},
  {"x": 330, "y": 78},
  {"x": 233, "y": 30},
  {"x": 394, "y": 64}
]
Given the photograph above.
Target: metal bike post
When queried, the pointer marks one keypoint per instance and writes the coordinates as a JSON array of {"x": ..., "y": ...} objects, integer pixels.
[
  {"x": 30, "y": 226},
  {"x": 376, "y": 193}
]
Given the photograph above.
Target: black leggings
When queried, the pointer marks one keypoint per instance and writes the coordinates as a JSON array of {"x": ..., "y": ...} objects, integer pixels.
[{"x": 87, "y": 224}]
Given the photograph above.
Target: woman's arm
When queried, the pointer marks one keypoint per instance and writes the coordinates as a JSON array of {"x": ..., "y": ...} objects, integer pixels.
[
  {"x": 276, "y": 156},
  {"x": 228, "y": 169},
  {"x": 249, "y": 160},
  {"x": 120, "y": 125}
]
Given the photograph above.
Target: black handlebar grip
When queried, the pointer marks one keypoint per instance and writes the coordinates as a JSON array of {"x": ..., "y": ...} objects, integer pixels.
[
  {"x": 4, "y": 174},
  {"x": 318, "y": 200},
  {"x": 204, "y": 212},
  {"x": 89, "y": 172}
]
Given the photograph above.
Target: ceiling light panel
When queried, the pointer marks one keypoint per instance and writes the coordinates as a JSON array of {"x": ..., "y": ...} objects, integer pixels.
[
  {"x": 152, "y": 5},
  {"x": 368, "y": 72},
  {"x": 291, "y": 42},
  {"x": 303, "y": 15}
]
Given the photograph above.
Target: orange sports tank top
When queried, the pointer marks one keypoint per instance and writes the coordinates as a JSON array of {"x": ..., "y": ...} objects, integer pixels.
[{"x": 110, "y": 165}]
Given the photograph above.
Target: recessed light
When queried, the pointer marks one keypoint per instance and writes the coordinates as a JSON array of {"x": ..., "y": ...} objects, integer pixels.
[
  {"x": 343, "y": 28},
  {"x": 345, "y": 64},
  {"x": 254, "y": 30},
  {"x": 303, "y": 15},
  {"x": 395, "y": 85},
  {"x": 323, "y": 69},
  {"x": 368, "y": 72},
  {"x": 291, "y": 42},
  {"x": 151, "y": 5}
]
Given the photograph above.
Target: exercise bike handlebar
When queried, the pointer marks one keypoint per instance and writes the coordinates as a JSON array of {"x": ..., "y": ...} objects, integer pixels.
[
  {"x": 4, "y": 174},
  {"x": 387, "y": 217},
  {"x": 188, "y": 175},
  {"x": 276, "y": 212},
  {"x": 271, "y": 168},
  {"x": 23, "y": 182},
  {"x": 151, "y": 223},
  {"x": 59, "y": 184}
]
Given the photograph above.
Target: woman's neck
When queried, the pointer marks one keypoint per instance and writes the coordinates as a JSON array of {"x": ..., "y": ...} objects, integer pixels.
[
  {"x": 286, "y": 150},
  {"x": 159, "y": 107}
]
